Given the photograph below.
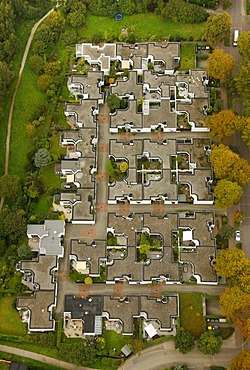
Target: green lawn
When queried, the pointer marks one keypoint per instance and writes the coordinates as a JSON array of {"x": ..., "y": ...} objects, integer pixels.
[
  {"x": 24, "y": 360},
  {"x": 144, "y": 25},
  {"x": 55, "y": 147},
  {"x": 28, "y": 100},
  {"x": 44, "y": 204},
  {"x": 10, "y": 322},
  {"x": 187, "y": 56},
  {"x": 49, "y": 178},
  {"x": 4, "y": 366},
  {"x": 115, "y": 340},
  {"x": 191, "y": 313},
  {"x": 23, "y": 31}
]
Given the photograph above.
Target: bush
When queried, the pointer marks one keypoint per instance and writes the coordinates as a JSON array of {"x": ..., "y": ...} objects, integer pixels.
[{"x": 178, "y": 11}]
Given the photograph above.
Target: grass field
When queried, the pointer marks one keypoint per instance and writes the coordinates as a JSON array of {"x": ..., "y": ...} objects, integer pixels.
[
  {"x": 49, "y": 178},
  {"x": 115, "y": 340},
  {"x": 191, "y": 313},
  {"x": 10, "y": 322},
  {"x": 144, "y": 26},
  {"x": 28, "y": 99},
  {"x": 23, "y": 31},
  {"x": 187, "y": 56},
  {"x": 35, "y": 365}
]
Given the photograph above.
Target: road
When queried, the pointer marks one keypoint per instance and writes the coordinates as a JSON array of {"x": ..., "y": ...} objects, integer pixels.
[
  {"x": 241, "y": 21},
  {"x": 164, "y": 355}
]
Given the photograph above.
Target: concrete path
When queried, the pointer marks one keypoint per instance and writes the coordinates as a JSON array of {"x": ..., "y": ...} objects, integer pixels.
[{"x": 41, "y": 358}]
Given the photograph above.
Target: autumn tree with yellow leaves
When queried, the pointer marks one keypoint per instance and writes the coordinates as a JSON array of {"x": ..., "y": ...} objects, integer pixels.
[
  {"x": 229, "y": 165},
  {"x": 224, "y": 124},
  {"x": 220, "y": 64}
]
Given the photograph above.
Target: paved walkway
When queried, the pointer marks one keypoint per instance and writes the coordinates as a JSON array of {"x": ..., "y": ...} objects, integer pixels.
[{"x": 41, "y": 358}]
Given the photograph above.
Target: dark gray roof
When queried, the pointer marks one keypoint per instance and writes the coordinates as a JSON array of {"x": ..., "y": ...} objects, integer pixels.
[
  {"x": 84, "y": 308},
  {"x": 18, "y": 366}
]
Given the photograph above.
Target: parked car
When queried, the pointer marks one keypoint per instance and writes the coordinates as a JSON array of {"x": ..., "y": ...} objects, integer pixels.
[{"x": 237, "y": 235}]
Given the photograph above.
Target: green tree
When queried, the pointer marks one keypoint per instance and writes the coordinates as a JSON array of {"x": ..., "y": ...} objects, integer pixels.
[
  {"x": 44, "y": 82},
  {"x": 220, "y": 64},
  {"x": 9, "y": 186},
  {"x": 183, "y": 341},
  {"x": 42, "y": 157},
  {"x": 209, "y": 344},
  {"x": 24, "y": 251},
  {"x": 79, "y": 353},
  {"x": 246, "y": 132},
  {"x": 37, "y": 64},
  {"x": 217, "y": 28},
  {"x": 227, "y": 193},
  {"x": 179, "y": 367},
  {"x": 113, "y": 102},
  {"x": 226, "y": 231},
  {"x": 244, "y": 44},
  {"x": 179, "y": 11},
  {"x": 12, "y": 226},
  {"x": 144, "y": 248},
  {"x": 241, "y": 361},
  {"x": 242, "y": 82}
]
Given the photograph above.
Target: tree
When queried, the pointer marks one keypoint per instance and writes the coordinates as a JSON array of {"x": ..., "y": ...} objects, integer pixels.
[
  {"x": 123, "y": 167},
  {"x": 12, "y": 226},
  {"x": 242, "y": 82},
  {"x": 244, "y": 44},
  {"x": 227, "y": 193},
  {"x": 241, "y": 361},
  {"x": 44, "y": 82},
  {"x": 235, "y": 303},
  {"x": 113, "y": 102},
  {"x": 37, "y": 63},
  {"x": 226, "y": 231},
  {"x": 238, "y": 216},
  {"x": 233, "y": 264},
  {"x": 52, "y": 69},
  {"x": 229, "y": 165},
  {"x": 183, "y": 341},
  {"x": 42, "y": 157},
  {"x": 24, "y": 251},
  {"x": 209, "y": 344},
  {"x": 79, "y": 353},
  {"x": 88, "y": 280},
  {"x": 179, "y": 367},
  {"x": 246, "y": 132},
  {"x": 217, "y": 28},
  {"x": 220, "y": 64},
  {"x": 144, "y": 248},
  {"x": 178, "y": 11},
  {"x": 224, "y": 124},
  {"x": 9, "y": 186}
]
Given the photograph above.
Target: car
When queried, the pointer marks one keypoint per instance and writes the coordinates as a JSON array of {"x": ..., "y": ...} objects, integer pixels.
[{"x": 237, "y": 235}]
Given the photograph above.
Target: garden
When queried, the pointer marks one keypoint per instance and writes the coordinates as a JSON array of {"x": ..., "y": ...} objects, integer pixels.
[
  {"x": 191, "y": 313},
  {"x": 117, "y": 170},
  {"x": 148, "y": 243}
]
